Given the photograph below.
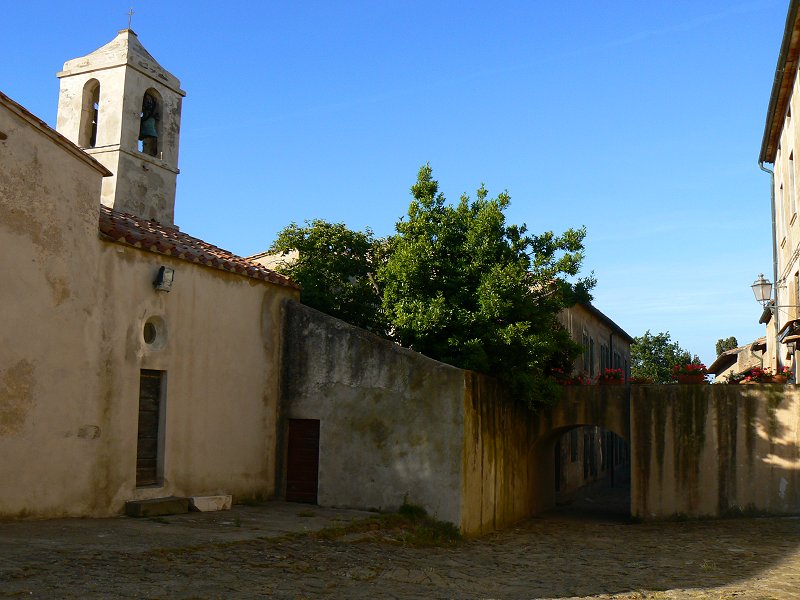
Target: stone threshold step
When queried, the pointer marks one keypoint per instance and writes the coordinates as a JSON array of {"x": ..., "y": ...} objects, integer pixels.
[
  {"x": 157, "y": 507},
  {"x": 173, "y": 505}
]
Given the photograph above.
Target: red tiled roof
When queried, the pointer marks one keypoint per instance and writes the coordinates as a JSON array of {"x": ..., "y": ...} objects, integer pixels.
[{"x": 127, "y": 229}]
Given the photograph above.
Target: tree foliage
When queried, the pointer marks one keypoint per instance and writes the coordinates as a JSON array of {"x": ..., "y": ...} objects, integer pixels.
[
  {"x": 463, "y": 286},
  {"x": 726, "y": 344},
  {"x": 335, "y": 268},
  {"x": 654, "y": 355},
  {"x": 455, "y": 282}
]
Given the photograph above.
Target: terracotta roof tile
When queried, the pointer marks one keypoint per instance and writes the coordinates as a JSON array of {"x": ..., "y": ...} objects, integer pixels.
[{"x": 127, "y": 229}]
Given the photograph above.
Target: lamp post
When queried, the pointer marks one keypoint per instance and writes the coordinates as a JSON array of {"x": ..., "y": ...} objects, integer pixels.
[{"x": 762, "y": 290}]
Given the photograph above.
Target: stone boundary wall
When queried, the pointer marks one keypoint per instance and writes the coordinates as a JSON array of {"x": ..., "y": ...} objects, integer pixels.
[
  {"x": 715, "y": 450},
  {"x": 500, "y": 463},
  {"x": 391, "y": 420},
  {"x": 396, "y": 425}
]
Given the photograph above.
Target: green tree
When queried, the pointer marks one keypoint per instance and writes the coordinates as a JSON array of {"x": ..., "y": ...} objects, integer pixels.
[
  {"x": 456, "y": 283},
  {"x": 654, "y": 355},
  {"x": 463, "y": 286},
  {"x": 726, "y": 344},
  {"x": 335, "y": 267}
]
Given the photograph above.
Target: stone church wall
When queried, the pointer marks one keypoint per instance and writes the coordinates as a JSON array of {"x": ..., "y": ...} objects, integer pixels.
[
  {"x": 49, "y": 359},
  {"x": 219, "y": 347},
  {"x": 73, "y": 348}
]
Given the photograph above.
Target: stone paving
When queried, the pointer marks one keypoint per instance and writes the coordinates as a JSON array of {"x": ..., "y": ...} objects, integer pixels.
[{"x": 245, "y": 553}]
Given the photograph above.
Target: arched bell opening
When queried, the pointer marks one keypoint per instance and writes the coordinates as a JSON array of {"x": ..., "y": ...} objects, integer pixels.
[
  {"x": 150, "y": 124},
  {"x": 90, "y": 114}
]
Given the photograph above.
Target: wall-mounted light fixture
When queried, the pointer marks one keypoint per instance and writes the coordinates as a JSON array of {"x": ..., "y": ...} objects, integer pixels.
[
  {"x": 164, "y": 278},
  {"x": 762, "y": 290}
]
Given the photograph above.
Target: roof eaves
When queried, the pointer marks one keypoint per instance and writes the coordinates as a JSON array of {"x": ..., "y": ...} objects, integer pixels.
[
  {"x": 781, "y": 84},
  {"x": 605, "y": 319},
  {"x": 724, "y": 361},
  {"x": 44, "y": 128},
  {"x": 129, "y": 230}
]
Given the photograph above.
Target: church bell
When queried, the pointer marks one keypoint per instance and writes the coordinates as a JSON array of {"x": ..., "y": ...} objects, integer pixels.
[{"x": 148, "y": 128}]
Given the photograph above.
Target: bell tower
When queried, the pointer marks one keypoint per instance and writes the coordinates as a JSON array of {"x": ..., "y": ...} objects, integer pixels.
[{"x": 124, "y": 109}]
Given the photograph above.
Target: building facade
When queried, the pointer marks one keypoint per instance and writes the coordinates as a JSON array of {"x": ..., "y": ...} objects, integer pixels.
[
  {"x": 136, "y": 361},
  {"x": 605, "y": 344},
  {"x": 780, "y": 143},
  {"x": 591, "y": 456},
  {"x": 738, "y": 361},
  {"x": 139, "y": 362}
]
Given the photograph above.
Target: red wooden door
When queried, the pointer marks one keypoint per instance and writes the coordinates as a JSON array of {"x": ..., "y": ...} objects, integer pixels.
[{"x": 302, "y": 461}]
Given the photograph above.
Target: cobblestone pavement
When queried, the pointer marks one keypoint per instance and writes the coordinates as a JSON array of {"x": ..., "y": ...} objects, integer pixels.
[{"x": 225, "y": 555}]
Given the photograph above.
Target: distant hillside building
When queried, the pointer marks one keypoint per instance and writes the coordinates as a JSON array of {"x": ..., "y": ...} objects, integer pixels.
[{"x": 739, "y": 360}]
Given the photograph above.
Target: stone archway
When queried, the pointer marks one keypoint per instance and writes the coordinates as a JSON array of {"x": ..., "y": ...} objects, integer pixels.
[
  {"x": 508, "y": 468},
  {"x": 696, "y": 451},
  {"x": 607, "y": 407}
]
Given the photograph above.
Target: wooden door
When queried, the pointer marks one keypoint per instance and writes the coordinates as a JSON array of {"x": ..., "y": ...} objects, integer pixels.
[
  {"x": 302, "y": 461},
  {"x": 148, "y": 434}
]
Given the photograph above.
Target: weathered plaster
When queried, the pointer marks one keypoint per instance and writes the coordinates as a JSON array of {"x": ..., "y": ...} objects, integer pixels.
[
  {"x": 391, "y": 420},
  {"x": 48, "y": 232},
  {"x": 74, "y": 347},
  {"x": 141, "y": 184},
  {"x": 726, "y": 450},
  {"x": 16, "y": 397}
]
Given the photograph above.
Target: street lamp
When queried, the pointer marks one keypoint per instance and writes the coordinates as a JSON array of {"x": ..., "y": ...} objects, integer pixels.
[{"x": 762, "y": 290}]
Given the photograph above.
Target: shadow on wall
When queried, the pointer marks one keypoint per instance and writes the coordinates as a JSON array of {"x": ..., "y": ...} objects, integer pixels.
[{"x": 715, "y": 450}]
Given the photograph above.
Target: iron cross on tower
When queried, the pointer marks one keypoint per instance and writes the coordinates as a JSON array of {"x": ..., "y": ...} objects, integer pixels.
[{"x": 130, "y": 16}]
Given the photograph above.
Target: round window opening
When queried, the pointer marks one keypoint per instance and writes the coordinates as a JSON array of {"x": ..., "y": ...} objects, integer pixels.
[
  {"x": 154, "y": 333},
  {"x": 150, "y": 333}
]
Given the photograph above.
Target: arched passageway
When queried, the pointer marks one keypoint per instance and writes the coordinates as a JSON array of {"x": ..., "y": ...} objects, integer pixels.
[
  {"x": 581, "y": 444},
  {"x": 592, "y": 474}
]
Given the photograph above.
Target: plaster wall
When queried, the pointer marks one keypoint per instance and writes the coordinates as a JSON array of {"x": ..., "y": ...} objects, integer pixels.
[
  {"x": 746, "y": 358},
  {"x": 715, "y": 450},
  {"x": 579, "y": 321},
  {"x": 142, "y": 185},
  {"x": 500, "y": 483},
  {"x": 73, "y": 347},
  {"x": 391, "y": 420},
  {"x": 219, "y": 345},
  {"x": 50, "y": 416}
]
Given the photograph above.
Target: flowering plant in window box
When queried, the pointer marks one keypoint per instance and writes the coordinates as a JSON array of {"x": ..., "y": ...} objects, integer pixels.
[
  {"x": 690, "y": 373},
  {"x": 581, "y": 379},
  {"x": 563, "y": 378},
  {"x": 759, "y": 375},
  {"x": 611, "y": 377}
]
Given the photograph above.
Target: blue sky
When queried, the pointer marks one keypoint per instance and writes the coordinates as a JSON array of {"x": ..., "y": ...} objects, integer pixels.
[{"x": 640, "y": 120}]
